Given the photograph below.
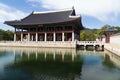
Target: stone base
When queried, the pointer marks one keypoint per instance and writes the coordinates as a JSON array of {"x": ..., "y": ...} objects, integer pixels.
[{"x": 40, "y": 44}]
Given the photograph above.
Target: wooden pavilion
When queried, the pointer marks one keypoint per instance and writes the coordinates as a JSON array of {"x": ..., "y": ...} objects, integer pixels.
[{"x": 59, "y": 25}]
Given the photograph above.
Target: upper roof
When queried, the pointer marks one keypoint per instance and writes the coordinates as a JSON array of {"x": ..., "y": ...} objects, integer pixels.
[{"x": 46, "y": 17}]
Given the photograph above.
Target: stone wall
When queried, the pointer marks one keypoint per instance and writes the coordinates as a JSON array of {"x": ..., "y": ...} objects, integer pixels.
[
  {"x": 114, "y": 45},
  {"x": 115, "y": 40}
]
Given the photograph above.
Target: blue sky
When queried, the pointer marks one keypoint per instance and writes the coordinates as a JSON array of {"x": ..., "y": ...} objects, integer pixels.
[{"x": 95, "y": 13}]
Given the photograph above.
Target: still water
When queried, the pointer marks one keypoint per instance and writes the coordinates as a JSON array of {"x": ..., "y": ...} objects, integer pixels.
[{"x": 57, "y": 64}]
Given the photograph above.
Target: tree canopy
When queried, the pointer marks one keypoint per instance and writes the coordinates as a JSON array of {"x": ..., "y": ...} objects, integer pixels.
[
  {"x": 6, "y": 35},
  {"x": 92, "y": 34}
]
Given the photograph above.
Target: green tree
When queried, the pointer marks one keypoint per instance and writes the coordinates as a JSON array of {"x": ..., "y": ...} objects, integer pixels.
[
  {"x": 6, "y": 35},
  {"x": 99, "y": 33},
  {"x": 88, "y": 35},
  {"x": 83, "y": 36},
  {"x": 105, "y": 26}
]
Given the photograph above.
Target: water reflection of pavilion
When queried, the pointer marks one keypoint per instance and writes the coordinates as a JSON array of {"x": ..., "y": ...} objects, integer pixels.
[
  {"x": 49, "y": 63},
  {"x": 44, "y": 52},
  {"x": 49, "y": 52}
]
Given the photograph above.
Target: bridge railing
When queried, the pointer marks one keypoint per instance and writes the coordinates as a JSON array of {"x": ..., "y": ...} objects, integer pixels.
[{"x": 87, "y": 42}]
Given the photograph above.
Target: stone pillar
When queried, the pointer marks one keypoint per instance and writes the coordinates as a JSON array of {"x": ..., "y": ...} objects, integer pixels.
[
  {"x": 63, "y": 37},
  {"x": 21, "y": 36},
  {"x": 36, "y": 37},
  {"x": 28, "y": 37},
  {"x": 45, "y": 36},
  {"x": 73, "y": 36},
  {"x": 54, "y": 37},
  {"x": 14, "y": 36},
  {"x": 32, "y": 37}
]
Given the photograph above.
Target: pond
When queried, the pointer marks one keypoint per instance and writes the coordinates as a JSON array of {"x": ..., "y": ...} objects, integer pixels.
[{"x": 57, "y": 64}]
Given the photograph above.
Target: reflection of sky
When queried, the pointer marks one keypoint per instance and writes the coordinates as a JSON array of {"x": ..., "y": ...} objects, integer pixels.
[
  {"x": 4, "y": 60},
  {"x": 93, "y": 69}
]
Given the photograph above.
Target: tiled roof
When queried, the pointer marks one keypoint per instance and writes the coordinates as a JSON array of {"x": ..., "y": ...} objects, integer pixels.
[{"x": 46, "y": 18}]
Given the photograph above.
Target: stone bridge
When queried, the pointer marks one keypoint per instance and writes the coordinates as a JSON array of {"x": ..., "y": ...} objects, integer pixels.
[{"x": 89, "y": 43}]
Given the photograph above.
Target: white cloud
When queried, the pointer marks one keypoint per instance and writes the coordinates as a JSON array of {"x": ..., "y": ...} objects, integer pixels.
[
  {"x": 104, "y": 10},
  {"x": 9, "y": 13}
]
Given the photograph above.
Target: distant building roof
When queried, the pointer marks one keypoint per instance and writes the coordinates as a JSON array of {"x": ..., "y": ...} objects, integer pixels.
[
  {"x": 110, "y": 29},
  {"x": 48, "y": 17}
]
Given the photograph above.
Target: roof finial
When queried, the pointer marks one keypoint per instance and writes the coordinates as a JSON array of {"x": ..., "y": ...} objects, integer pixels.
[
  {"x": 32, "y": 12},
  {"x": 73, "y": 13},
  {"x": 73, "y": 7}
]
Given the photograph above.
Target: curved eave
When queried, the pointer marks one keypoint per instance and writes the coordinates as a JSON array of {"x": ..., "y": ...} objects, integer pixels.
[
  {"x": 11, "y": 23},
  {"x": 20, "y": 23}
]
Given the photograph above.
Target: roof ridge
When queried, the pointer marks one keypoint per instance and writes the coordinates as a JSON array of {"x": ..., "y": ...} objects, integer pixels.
[{"x": 53, "y": 11}]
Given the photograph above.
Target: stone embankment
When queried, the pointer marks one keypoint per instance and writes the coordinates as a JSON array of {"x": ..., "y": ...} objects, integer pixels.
[
  {"x": 114, "y": 44},
  {"x": 49, "y": 44},
  {"x": 43, "y": 44},
  {"x": 113, "y": 48}
]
